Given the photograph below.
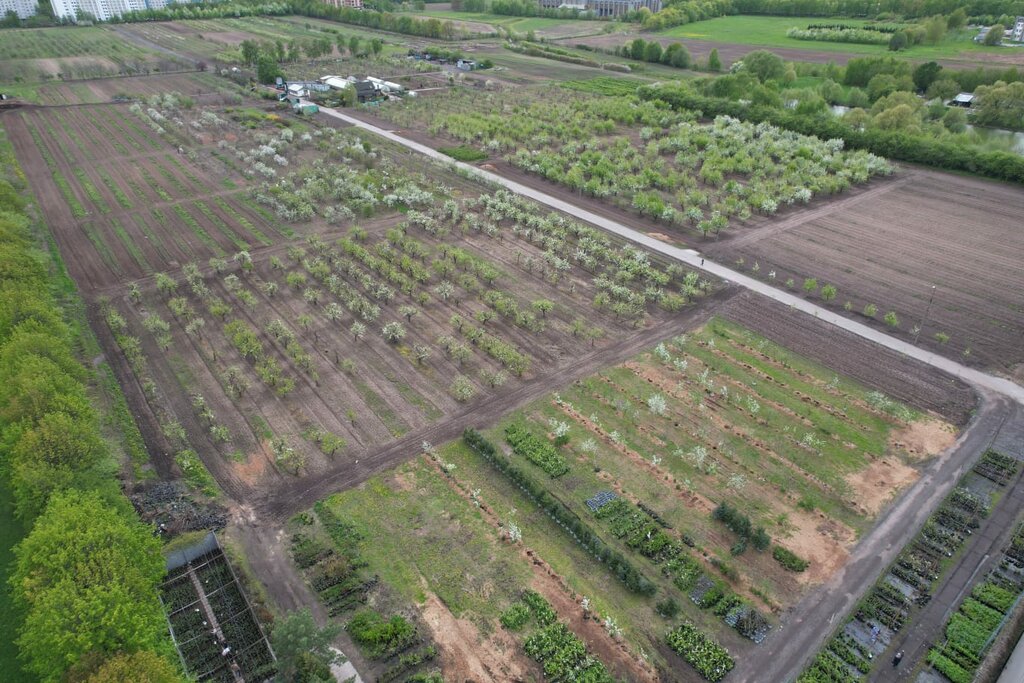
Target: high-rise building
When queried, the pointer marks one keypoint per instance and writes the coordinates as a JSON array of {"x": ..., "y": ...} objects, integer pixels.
[
  {"x": 23, "y": 8},
  {"x": 603, "y": 8},
  {"x": 102, "y": 10}
]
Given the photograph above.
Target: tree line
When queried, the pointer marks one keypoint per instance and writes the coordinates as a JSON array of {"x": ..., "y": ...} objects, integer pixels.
[
  {"x": 266, "y": 56},
  {"x": 85, "y": 578}
]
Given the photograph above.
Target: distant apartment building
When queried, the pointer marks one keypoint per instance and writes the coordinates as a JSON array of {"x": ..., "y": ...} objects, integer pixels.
[
  {"x": 356, "y": 4},
  {"x": 103, "y": 10},
  {"x": 1015, "y": 32},
  {"x": 604, "y": 8},
  {"x": 23, "y": 8}
]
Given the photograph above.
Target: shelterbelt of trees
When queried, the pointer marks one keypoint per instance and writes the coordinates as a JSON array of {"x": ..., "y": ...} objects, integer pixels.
[{"x": 85, "y": 578}]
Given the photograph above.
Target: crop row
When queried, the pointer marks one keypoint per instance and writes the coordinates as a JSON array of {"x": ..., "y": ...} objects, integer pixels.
[
  {"x": 709, "y": 658},
  {"x": 562, "y": 654},
  {"x": 582, "y": 534},
  {"x": 980, "y": 616}
]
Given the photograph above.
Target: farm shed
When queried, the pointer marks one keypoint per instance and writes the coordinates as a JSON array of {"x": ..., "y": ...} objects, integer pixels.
[{"x": 964, "y": 99}]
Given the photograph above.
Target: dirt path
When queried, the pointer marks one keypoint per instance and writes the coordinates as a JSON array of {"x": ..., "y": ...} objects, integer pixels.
[
  {"x": 694, "y": 259},
  {"x": 265, "y": 548},
  {"x": 286, "y": 499},
  {"x": 804, "y": 629}
]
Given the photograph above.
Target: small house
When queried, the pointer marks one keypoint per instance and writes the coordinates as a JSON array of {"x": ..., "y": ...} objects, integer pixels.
[
  {"x": 964, "y": 99},
  {"x": 1015, "y": 32},
  {"x": 466, "y": 65},
  {"x": 367, "y": 91}
]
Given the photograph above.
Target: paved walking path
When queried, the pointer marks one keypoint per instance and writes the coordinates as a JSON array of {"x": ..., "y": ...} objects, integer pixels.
[
  {"x": 1013, "y": 672},
  {"x": 974, "y": 377}
]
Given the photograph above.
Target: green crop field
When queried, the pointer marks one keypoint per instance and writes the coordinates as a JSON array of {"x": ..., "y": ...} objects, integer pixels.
[
  {"x": 771, "y": 32},
  {"x": 716, "y": 416},
  {"x": 451, "y": 554},
  {"x": 54, "y": 43}
]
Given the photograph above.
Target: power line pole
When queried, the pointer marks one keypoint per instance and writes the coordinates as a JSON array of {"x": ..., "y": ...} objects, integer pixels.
[{"x": 924, "y": 320}]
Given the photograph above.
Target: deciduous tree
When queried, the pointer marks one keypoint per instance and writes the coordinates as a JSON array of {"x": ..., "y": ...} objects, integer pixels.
[
  {"x": 300, "y": 646},
  {"x": 87, "y": 577}
]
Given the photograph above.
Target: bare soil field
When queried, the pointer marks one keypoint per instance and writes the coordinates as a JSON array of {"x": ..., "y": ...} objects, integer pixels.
[
  {"x": 202, "y": 86},
  {"x": 193, "y": 39},
  {"x": 960, "y": 235},
  {"x": 126, "y": 206},
  {"x": 371, "y": 394},
  {"x": 124, "y": 203}
]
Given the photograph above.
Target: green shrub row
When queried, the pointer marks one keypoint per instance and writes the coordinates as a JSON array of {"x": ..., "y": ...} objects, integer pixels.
[
  {"x": 621, "y": 567},
  {"x": 709, "y": 658},
  {"x": 789, "y": 559},
  {"x": 538, "y": 451}
]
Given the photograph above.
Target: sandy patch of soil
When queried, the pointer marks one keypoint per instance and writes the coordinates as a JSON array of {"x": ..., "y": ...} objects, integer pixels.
[
  {"x": 465, "y": 655},
  {"x": 54, "y": 66},
  {"x": 660, "y": 236},
  {"x": 822, "y": 542},
  {"x": 924, "y": 438},
  {"x": 879, "y": 483},
  {"x": 256, "y": 465}
]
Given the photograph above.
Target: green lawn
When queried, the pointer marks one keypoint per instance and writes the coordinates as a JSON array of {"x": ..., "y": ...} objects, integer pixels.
[
  {"x": 422, "y": 535},
  {"x": 771, "y": 32},
  {"x": 11, "y": 531}
]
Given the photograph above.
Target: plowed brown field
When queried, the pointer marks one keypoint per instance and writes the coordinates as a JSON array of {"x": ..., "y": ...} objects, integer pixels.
[{"x": 890, "y": 247}]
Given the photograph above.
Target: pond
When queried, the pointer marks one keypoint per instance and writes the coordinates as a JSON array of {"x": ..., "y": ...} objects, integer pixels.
[
  {"x": 1011, "y": 141},
  {"x": 992, "y": 138}
]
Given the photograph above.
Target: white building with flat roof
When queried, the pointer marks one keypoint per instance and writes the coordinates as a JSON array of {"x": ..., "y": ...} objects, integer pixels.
[{"x": 23, "y": 8}]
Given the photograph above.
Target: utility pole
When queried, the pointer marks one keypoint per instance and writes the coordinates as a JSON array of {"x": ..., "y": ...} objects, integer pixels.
[{"x": 924, "y": 320}]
